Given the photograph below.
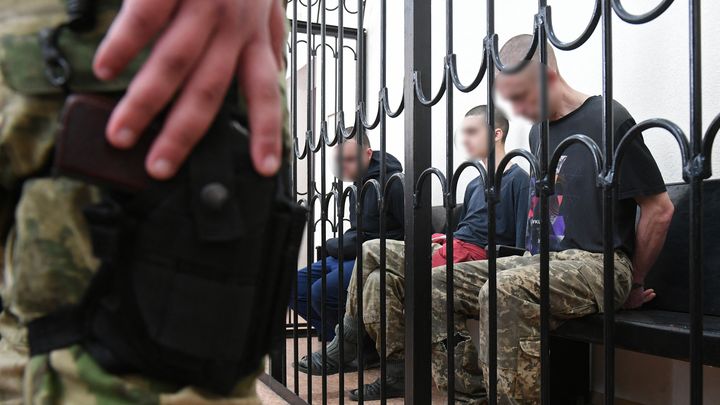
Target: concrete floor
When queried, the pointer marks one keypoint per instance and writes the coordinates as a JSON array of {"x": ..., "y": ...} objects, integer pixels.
[{"x": 333, "y": 381}]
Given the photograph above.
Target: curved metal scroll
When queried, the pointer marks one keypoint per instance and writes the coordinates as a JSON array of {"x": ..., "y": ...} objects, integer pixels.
[
  {"x": 456, "y": 178},
  {"x": 420, "y": 94},
  {"x": 363, "y": 114},
  {"x": 400, "y": 176},
  {"x": 580, "y": 40},
  {"x": 421, "y": 181},
  {"x": 640, "y": 18},
  {"x": 493, "y": 45},
  {"x": 637, "y": 130},
  {"x": 708, "y": 141},
  {"x": 384, "y": 98},
  {"x": 452, "y": 65},
  {"x": 584, "y": 140},
  {"x": 515, "y": 153}
]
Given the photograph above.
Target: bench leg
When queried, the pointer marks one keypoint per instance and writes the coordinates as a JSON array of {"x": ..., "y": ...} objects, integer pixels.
[{"x": 570, "y": 367}]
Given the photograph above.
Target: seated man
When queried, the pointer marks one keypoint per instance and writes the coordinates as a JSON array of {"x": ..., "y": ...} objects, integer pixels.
[
  {"x": 470, "y": 239},
  {"x": 576, "y": 238},
  {"x": 352, "y": 170}
]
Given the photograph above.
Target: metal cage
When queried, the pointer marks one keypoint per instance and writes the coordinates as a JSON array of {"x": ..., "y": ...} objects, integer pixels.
[{"x": 327, "y": 203}]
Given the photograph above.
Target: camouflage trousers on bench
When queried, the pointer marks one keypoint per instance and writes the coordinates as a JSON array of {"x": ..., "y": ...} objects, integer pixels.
[{"x": 576, "y": 288}]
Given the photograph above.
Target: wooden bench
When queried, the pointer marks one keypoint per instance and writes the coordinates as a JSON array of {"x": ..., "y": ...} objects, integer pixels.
[{"x": 661, "y": 327}]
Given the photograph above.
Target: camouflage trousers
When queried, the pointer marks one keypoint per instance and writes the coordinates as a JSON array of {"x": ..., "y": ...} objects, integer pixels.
[
  {"x": 576, "y": 285},
  {"x": 395, "y": 294}
]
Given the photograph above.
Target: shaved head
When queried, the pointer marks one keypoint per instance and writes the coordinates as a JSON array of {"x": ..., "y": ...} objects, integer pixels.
[
  {"x": 521, "y": 88},
  {"x": 517, "y": 47}
]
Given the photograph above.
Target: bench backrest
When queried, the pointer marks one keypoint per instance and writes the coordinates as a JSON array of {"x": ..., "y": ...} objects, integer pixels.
[
  {"x": 669, "y": 277},
  {"x": 438, "y": 223}
]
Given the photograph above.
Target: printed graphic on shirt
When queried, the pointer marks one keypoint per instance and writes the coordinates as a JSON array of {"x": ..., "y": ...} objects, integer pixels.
[{"x": 557, "y": 220}]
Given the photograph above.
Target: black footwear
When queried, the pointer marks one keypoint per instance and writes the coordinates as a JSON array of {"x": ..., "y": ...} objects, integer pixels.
[
  {"x": 371, "y": 360},
  {"x": 332, "y": 352},
  {"x": 394, "y": 387}
]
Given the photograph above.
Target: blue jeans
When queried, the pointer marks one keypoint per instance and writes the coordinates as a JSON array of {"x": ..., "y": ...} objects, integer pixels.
[{"x": 333, "y": 307}]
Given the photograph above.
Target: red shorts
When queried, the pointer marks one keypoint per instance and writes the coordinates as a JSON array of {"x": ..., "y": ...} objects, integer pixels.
[{"x": 462, "y": 252}]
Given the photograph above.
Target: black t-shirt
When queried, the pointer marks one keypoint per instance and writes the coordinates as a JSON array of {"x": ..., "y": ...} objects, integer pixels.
[
  {"x": 576, "y": 207},
  {"x": 510, "y": 212}
]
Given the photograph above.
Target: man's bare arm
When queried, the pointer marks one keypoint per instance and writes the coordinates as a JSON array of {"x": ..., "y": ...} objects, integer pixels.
[
  {"x": 199, "y": 47},
  {"x": 656, "y": 212}
]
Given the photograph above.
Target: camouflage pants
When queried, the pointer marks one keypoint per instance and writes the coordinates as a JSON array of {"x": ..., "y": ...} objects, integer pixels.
[
  {"x": 576, "y": 285},
  {"x": 71, "y": 376},
  {"x": 394, "y": 298}
]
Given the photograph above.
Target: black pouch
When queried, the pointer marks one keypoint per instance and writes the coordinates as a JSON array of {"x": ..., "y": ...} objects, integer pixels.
[{"x": 196, "y": 271}]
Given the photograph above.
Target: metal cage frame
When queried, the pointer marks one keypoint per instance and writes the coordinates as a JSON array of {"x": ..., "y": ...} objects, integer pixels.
[{"x": 695, "y": 150}]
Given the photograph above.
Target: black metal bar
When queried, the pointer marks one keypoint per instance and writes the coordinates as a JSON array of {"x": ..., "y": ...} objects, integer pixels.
[
  {"x": 489, "y": 192},
  {"x": 277, "y": 364},
  {"x": 310, "y": 194},
  {"x": 696, "y": 207},
  {"x": 383, "y": 180},
  {"x": 281, "y": 390},
  {"x": 339, "y": 189},
  {"x": 449, "y": 209},
  {"x": 323, "y": 191},
  {"x": 294, "y": 131},
  {"x": 544, "y": 213},
  {"x": 417, "y": 226},
  {"x": 360, "y": 97},
  {"x": 608, "y": 206}
]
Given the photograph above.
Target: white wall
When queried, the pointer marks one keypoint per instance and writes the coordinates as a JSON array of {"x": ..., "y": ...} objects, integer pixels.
[{"x": 651, "y": 80}]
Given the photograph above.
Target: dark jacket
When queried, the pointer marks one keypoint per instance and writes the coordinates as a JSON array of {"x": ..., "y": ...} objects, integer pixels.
[{"x": 394, "y": 223}]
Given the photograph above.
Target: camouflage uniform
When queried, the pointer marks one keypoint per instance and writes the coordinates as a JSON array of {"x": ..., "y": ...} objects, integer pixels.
[
  {"x": 48, "y": 260},
  {"x": 395, "y": 294},
  {"x": 576, "y": 285}
]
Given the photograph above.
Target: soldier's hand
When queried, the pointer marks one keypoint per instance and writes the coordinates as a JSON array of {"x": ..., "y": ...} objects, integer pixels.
[
  {"x": 199, "y": 47},
  {"x": 638, "y": 297}
]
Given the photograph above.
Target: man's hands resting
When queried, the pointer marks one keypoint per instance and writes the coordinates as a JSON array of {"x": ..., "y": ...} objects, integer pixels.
[
  {"x": 199, "y": 47},
  {"x": 639, "y": 296},
  {"x": 656, "y": 212}
]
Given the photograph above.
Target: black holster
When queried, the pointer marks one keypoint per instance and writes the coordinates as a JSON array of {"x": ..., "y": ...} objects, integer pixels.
[{"x": 196, "y": 271}]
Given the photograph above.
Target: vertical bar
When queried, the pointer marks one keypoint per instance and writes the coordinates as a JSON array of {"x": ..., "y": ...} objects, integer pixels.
[
  {"x": 417, "y": 225},
  {"x": 608, "y": 209},
  {"x": 294, "y": 129},
  {"x": 544, "y": 216},
  {"x": 323, "y": 192},
  {"x": 277, "y": 365},
  {"x": 449, "y": 208},
  {"x": 696, "y": 209},
  {"x": 360, "y": 130},
  {"x": 491, "y": 250},
  {"x": 339, "y": 78},
  {"x": 310, "y": 191},
  {"x": 383, "y": 180}
]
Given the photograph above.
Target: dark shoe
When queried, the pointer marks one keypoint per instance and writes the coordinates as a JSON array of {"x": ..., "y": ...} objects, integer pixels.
[
  {"x": 395, "y": 388},
  {"x": 313, "y": 364}
]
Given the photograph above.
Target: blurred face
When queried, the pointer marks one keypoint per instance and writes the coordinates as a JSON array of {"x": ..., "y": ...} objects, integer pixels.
[
  {"x": 522, "y": 90},
  {"x": 351, "y": 170},
  {"x": 474, "y": 136}
]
